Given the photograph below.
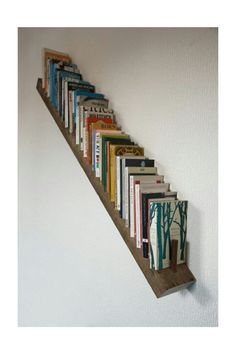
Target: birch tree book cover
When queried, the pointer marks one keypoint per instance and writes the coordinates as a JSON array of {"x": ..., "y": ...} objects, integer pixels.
[{"x": 168, "y": 221}]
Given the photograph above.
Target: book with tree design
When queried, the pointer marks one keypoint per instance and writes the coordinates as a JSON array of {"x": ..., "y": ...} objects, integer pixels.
[{"x": 168, "y": 221}]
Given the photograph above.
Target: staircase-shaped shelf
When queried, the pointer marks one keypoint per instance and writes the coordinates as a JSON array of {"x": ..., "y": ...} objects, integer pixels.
[{"x": 162, "y": 283}]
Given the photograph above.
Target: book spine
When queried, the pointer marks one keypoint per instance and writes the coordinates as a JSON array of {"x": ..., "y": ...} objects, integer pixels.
[
  {"x": 70, "y": 113},
  {"x": 97, "y": 155},
  {"x": 48, "y": 78},
  {"x": 76, "y": 121},
  {"x": 93, "y": 150},
  {"x": 58, "y": 91},
  {"x": 81, "y": 115},
  {"x": 132, "y": 206},
  {"x": 63, "y": 98},
  {"x": 112, "y": 175},
  {"x": 108, "y": 173},
  {"x": 126, "y": 197},
  {"x": 144, "y": 227},
  {"x": 85, "y": 135},
  {"x": 100, "y": 159},
  {"x": 137, "y": 215},
  {"x": 66, "y": 105},
  {"x": 123, "y": 188},
  {"x": 117, "y": 196}
]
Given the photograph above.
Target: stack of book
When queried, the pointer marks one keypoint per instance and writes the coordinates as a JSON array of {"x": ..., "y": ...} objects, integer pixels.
[{"x": 144, "y": 200}]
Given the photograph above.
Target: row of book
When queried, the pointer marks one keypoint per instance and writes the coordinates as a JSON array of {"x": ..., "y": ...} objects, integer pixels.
[{"x": 150, "y": 210}]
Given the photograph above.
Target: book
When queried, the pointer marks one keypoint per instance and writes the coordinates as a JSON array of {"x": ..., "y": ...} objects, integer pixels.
[
  {"x": 139, "y": 190},
  {"x": 125, "y": 164},
  {"x": 168, "y": 221},
  {"x": 73, "y": 86},
  {"x": 96, "y": 147},
  {"x": 97, "y": 125},
  {"x": 55, "y": 67},
  {"x": 83, "y": 104},
  {"x": 141, "y": 179},
  {"x": 119, "y": 178},
  {"x": 82, "y": 101},
  {"x": 92, "y": 115},
  {"x": 119, "y": 140},
  {"x": 49, "y": 54},
  {"x": 133, "y": 151},
  {"x": 145, "y": 197},
  {"x": 64, "y": 78},
  {"x": 133, "y": 171}
]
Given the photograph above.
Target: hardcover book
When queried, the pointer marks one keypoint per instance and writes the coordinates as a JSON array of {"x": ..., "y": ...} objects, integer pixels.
[
  {"x": 70, "y": 88},
  {"x": 119, "y": 140},
  {"x": 82, "y": 101},
  {"x": 93, "y": 115},
  {"x": 49, "y": 54},
  {"x": 168, "y": 221},
  {"x": 66, "y": 76},
  {"x": 141, "y": 179},
  {"x": 139, "y": 191},
  {"x": 133, "y": 171},
  {"x": 144, "y": 215},
  {"x": 125, "y": 163},
  {"x": 83, "y": 104},
  {"x": 135, "y": 151},
  {"x": 97, "y": 125},
  {"x": 118, "y": 177}
]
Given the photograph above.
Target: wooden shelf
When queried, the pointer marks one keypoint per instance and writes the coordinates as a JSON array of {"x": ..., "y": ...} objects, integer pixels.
[{"x": 162, "y": 283}]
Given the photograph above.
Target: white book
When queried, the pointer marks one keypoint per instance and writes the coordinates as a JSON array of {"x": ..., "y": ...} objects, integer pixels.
[
  {"x": 125, "y": 173},
  {"x": 137, "y": 216},
  {"x": 142, "y": 179},
  {"x": 118, "y": 181},
  {"x": 117, "y": 201}
]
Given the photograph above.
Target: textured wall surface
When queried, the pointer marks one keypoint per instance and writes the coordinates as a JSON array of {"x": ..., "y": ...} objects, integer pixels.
[{"x": 74, "y": 268}]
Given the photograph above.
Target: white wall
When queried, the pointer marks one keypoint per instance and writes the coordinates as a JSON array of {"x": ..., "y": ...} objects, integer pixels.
[{"x": 74, "y": 268}]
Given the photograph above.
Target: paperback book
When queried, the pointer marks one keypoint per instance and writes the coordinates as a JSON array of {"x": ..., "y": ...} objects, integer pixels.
[{"x": 168, "y": 221}]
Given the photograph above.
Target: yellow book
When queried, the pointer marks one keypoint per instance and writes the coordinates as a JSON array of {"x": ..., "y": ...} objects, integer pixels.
[{"x": 120, "y": 150}]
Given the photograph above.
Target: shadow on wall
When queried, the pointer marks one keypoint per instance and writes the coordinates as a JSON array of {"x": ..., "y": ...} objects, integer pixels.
[{"x": 198, "y": 290}]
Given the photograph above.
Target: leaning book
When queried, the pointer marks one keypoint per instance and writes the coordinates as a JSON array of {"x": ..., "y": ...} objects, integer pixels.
[{"x": 167, "y": 222}]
